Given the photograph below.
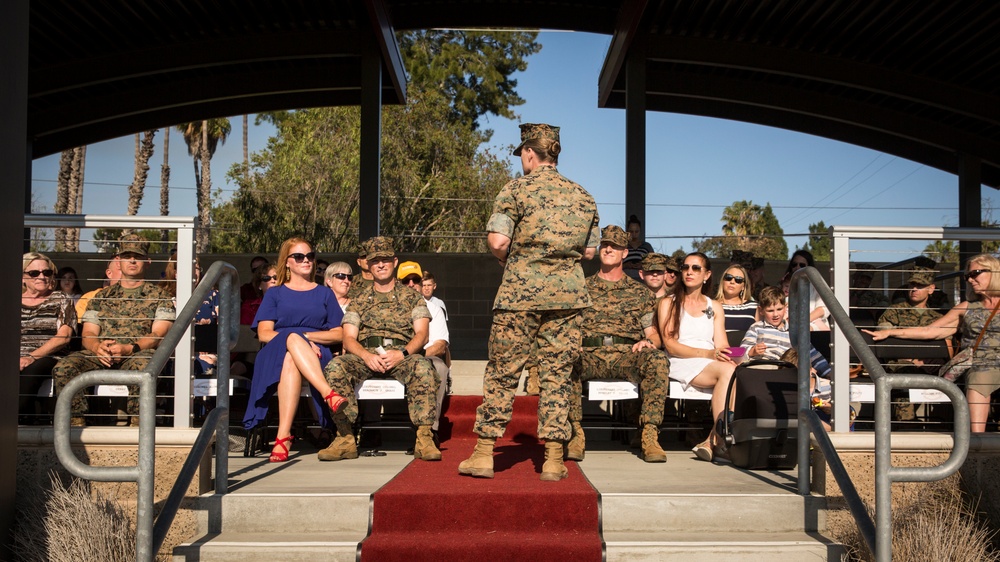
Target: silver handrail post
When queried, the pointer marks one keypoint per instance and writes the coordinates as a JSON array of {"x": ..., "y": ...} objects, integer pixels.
[{"x": 798, "y": 329}]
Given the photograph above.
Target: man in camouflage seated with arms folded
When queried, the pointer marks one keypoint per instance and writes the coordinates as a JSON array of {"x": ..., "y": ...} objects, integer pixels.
[
  {"x": 122, "y": 327},
  {"x": 385, "y": 329},
  {"x": 621, "y": 341}
]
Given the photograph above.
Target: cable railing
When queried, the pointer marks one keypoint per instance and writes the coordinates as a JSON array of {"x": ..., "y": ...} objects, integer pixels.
[
  {"x": 877, "y": 535},
  {"x": 149, "y": 533}
]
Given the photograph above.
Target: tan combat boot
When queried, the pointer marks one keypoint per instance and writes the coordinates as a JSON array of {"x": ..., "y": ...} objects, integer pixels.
[
  {"x": 344, "y": 446},
  {"x": 651, "y": 451},
  {"x": 424, "y": 447},
  {"x": 553, "y": 470},
  {"x": 531, "y": 386},
  {"x": 480, "y": 464},
  {"x": 576, "y": 447}
]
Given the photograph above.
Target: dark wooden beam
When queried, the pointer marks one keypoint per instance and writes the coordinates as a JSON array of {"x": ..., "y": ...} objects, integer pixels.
[
  {"x": 626, "y": 28},
  {"x": 385, "y": 38}
]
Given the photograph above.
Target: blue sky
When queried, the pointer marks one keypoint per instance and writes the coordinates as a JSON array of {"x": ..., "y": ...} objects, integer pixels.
[{"x": 696, "y": 166}]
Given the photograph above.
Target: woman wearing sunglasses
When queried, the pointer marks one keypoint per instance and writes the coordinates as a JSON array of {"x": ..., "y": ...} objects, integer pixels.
[
  {"x": 297, "y": 321},
  {"x": 974, "y": 317},
  {"x": 264, "y": 277},
  {"x": 48, "y": 321},
  {"x": 735, "y": 294},
  {"x": 340, "y": 277},
  {"x": 818, "y": 314},
  {"x": 693, "y": 329}
]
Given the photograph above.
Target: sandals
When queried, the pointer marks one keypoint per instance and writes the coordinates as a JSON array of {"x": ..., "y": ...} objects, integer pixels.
[
  {"x": 335, "y": 401},
  {"x": 284, "y": 443}
]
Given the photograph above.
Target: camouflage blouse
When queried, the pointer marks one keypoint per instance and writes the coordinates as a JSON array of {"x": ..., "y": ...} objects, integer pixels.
[
  {"x": 550, "y": 221},
  {"x": 127, "y": 315},
  {"x": 988, "y": 353},
  {"x": 389, "y": 315},
  {"x": 905, "y": 315},
  {"x": 622, "y": 308}
]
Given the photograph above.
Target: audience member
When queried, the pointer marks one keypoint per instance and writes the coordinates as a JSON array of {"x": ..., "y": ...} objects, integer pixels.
[
  {"x": 693, "y": 329},
  {"x": 438, "y": 339},
  {"x": 48, "y": 321},
  {"x": 121, "y": 329},
  {"x": 297, "y": 321},
  {"x": 637, "y": 247},
  {"x": 427, "y": 288},
  {"x": 365, "y": 279},
  {"x": 69, "y": 283},
  {"x": 819, "y": 389},
  {"x": 264, "y": 277},
  {"x": 653, "y": 274},
  {"x": 168, "y": 279},
  {"x": 866, "y": 304},
  {"x": 112, "y": 273},
  {"x": 768, "y": 338},
  {"x": 340, "y": 277},
  {"x": 754, "y": 267},
  {"x": 321, "y": 266},
  {"x": 735, "y": 293},
  {"x": 620, "y": 341},
  {"x": 250, "y": 290},
  {"x": 208, "y": 313},
  {"x": 818, "y": 314},
  {"x": 385, "y": 330}
]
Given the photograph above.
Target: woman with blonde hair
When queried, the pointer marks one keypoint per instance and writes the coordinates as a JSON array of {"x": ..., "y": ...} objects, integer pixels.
[
  {"x": 980, "y": 332},
  {"x": 339, "y": 277},
  {"x": 298, "y": 321},
  {"x": 735, "y": 294}
]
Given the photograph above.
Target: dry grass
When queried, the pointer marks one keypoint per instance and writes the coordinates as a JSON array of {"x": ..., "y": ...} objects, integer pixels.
[
  {"x": 68, "y": 524},
  {"x": 941, "y": 525}
]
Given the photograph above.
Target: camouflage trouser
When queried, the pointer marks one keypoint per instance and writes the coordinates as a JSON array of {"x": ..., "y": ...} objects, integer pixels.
[
  {"x": 512, "y": 339},
  {"x": 84, "y": 361},
  {"x": 647, "y": 369},
  {"x": 347, "y": 372}
]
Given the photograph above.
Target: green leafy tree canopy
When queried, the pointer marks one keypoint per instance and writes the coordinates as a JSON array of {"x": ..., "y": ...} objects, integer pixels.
[{"x": 749, "y": 227}]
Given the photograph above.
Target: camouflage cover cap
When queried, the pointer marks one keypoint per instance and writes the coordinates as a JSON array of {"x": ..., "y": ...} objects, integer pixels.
[
  {"x": 408, "y": 268},
  {"x": 363, "y": 249},
  {"x": 615, "y": 235},
  {"x": 536, "y": 131},
  {"x": 923, "y": 276},
  {"x": 380, "y": 247},
  {"x": 673, "y": 265},
  {"x": 133, "y": 243},
  {"x": 654, "y": 262},
  {"x": 864, "y": 269}
]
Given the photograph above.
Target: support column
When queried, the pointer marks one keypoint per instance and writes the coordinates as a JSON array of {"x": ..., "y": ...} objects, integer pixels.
[
  {"x": 371, "y": 141},
  {"x": 15, "y": 175},
  {"x": 970, "y": 203},
  {"x": 635, "y": 134}
]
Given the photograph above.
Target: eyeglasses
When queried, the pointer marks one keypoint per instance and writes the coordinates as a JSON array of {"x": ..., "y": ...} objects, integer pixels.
[
  {"x": 969, "y": 275},
  {"x": 36, "y": 272},
  {"x": 671, "y": 272},
  {"x": 343, "y": 276},
  {"x": 266, "y": 278},
  {"x": 298, "y": 256},
  {"x": 691, "y": 266},
  {"x": 730, "y": 277},
  {"x": 412, "y": 280},
  {"x": 799, "y": 265}
]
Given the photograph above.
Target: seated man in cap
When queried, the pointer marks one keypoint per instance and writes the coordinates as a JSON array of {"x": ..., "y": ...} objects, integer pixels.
[
  {"x": 385, "y": 329},
  {"x": 620, "y": 341},
  {"x": 659, "y": 273},
  {"x": 121, "y": 329}
]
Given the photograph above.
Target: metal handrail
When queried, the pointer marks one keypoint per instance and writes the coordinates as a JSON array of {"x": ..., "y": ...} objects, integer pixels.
[
  {"x": 885, "y": 473},
  {"x": 143, "y": 474}
]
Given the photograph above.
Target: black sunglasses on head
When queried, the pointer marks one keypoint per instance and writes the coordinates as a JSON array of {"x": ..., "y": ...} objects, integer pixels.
[
  {"x": 299, "y": 256},
  {"x": 36, "y": 272},
  {"x": 730, "y": 277}
]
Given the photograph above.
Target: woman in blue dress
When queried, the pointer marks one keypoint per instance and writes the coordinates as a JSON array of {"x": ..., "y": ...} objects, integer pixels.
[{"x": 297, "y": 321}]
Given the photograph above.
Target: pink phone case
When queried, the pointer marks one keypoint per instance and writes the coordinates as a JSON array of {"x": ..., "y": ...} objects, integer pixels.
[{"x": 737, "y": 351}]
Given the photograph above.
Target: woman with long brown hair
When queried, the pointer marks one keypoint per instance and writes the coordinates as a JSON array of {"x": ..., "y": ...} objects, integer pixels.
[{"x": 297, "y": 321}]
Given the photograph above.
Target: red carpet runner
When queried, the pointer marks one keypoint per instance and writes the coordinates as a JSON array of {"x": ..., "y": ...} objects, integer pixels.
[{"x": 429, "y": 512}]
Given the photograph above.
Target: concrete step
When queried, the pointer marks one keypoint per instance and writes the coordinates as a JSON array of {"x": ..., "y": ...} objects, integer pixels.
[
  {"x": 268, "y": 547},
  {"x": 718, "y": 545},
  {"x": 301, "y": 512}
]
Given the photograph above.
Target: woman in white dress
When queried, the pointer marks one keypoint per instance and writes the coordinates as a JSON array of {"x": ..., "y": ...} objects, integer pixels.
[{"x": 693, "y": 329}]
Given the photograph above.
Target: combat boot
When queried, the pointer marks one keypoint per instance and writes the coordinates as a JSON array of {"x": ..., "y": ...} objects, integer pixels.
[
  {"x": 424, "y": 447},
  {"x": 480, "y": 464},
  {"x": 576, "y": 447},
  {"x": 344, "y": 446},
  {"x": 651, "y": 450},
  {"x": 531, "y": 386},
  {"x": 553, "y": 470}
]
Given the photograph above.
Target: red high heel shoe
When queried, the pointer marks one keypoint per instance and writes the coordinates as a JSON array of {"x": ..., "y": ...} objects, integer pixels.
[
  {"x": 277, "y": 456},
  {"x": 335, "y": 401}
]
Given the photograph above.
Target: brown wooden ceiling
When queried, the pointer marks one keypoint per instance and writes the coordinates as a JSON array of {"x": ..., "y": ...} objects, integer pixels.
[{"x": 916, "y": 79}]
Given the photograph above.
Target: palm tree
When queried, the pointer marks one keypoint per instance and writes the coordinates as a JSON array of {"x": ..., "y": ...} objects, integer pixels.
[
  {"x": 202, "y": 138},
  {"x": 69, "y": 196},
  {"x": 143, "y": 152},
  {"x": 165, "y": 183}
]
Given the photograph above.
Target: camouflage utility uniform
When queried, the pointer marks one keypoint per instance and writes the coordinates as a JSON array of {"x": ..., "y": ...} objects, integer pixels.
[
  {"x": 621, "y": 312},
  {"x": 126, "y": 316},
  {"x": 381, "y": 318},
  {"x": 905, "y": 315},
  {"x": 550, "y": 221}
]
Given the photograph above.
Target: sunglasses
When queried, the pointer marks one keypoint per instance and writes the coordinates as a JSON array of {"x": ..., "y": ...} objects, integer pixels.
[
  {"x": 797, "y": 265},
  {"x": 266, "y": 278},
  {"x": 730, "y": 277},
  {"x": 299, "y": 256},
  {"x": 969, "y": 275},
  {"x": 36, "y": 272},
  {"x": 691, "y": 266},
  {"x": 343, "y": 276},
  {"x": 411, "y": 281}
]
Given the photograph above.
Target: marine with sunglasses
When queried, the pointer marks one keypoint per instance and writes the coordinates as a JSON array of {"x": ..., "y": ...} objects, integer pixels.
[
  {"x": 122, "y": 328},
  {"x": 48, "y": 321},
  {"x": 979, "y": 330}
]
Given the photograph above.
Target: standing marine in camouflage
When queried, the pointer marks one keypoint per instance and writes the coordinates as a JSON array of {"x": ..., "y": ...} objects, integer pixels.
[
  {"x": 122, "y": 327},
  {"x": 621, "y": 341},
  {"x": 385, "y": 329},
  {"x": 541, "y": 227}
]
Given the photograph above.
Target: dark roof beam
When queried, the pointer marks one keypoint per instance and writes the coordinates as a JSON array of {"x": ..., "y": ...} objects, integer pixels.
[
  {"x": 626, "y": 27},
  {"x": 385, "y": 37}
]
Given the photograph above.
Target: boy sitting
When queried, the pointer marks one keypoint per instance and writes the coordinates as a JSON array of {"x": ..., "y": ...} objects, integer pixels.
[{"x": 769, "y": 337}]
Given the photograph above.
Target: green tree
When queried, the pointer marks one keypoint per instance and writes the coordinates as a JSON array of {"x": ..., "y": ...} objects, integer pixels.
[
  {"x": 819, "y": 241},
  {"x": 942, "y": 251},
  {"x": 749, "y": 227},
  {"x": 202, "y": 138}
]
